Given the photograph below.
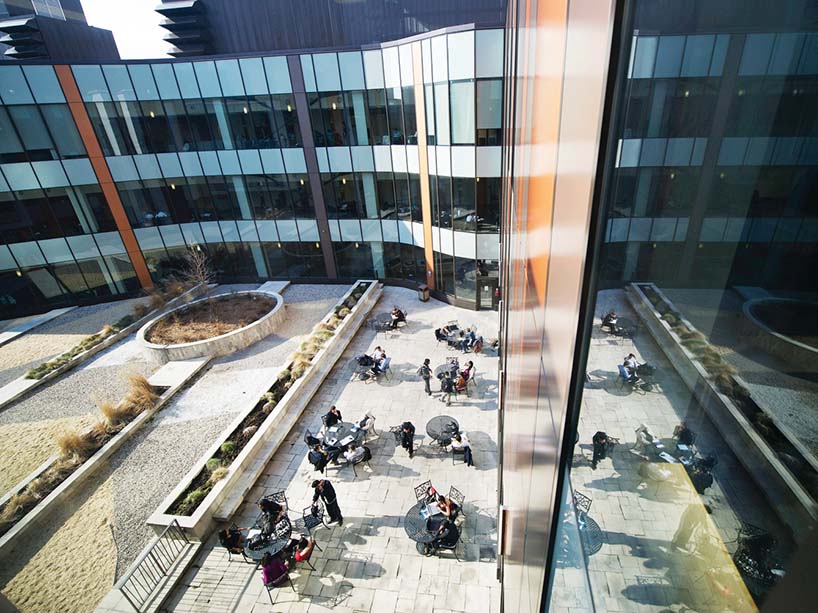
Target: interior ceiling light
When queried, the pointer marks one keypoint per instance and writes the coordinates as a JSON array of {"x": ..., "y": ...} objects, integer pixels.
[
  {"x": 317, "y": 245},
  {"x": 357, "y": 245},
  {"x": 245, "y": 110},
  {"x": 302, "y": 181},
  {"x": 152, "y": 114},
  {"x": 344, "y": 181},
  {"x": 289, "y": 108},
  {"x": 334, "y": 107},
  {"x": 173, "y": 186},
  {"x": 19, "y": 274}
]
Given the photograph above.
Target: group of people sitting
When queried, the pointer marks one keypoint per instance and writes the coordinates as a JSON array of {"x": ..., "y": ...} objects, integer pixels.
[
  {"x": 378, "y": 361},
  {"x": 274, "y": 568},
  {"x": 455, "y": 381},
  {"x": 633, "y": 371},
  {"x": 464, "y": 340},
  {"x": 443, "y": 526},
  {"x": 321, "y": 453}
]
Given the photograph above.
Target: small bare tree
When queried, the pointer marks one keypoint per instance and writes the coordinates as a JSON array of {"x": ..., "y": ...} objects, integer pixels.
[{"x": 197, "y": 266}]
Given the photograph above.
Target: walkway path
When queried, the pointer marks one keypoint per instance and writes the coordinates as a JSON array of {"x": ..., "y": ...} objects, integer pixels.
[
  {"x": 369, "y": 564},
  {"x": 637, "y": 569},
  {"x": 12, "y": 328}
]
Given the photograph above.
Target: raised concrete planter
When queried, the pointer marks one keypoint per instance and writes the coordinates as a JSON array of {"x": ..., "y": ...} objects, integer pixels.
[
  {"x": 38, "y": 516},
  {"x": 799, "y": 355},
  {"x": 21, "y": 386},
  {"x": 790, "y": 500},
  {"x": 218, "y": 345},
  {"x": 226, "y": 496}
]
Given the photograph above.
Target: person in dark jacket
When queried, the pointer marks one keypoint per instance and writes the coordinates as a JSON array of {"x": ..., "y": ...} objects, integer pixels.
[
  {"x": 447, "y": 534},
  {"x": 425, "y": 372},
  {"x": 600, "y": 442},
  {"x": 318, "y": 458},
  {"x": 407, "y": 437},
  {"x": 325, "y": 491},
  {"x": 333, "y": 417}
]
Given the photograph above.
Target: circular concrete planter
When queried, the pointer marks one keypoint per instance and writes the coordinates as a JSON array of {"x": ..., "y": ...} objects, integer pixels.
[
  {"x": 795, "y": 353},
  {"x": 218, "y": 345}
]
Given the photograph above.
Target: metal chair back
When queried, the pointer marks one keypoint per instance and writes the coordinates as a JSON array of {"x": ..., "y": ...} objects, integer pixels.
[
  {"x": 422, "y": 490},
  {"x": 582, "y": 502},
  {"x": 278, "y": 497},
  {"x": 457, "y": 496}
]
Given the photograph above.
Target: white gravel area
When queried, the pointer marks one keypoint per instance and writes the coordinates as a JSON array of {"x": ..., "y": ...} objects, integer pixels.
[
  {"x": 148, "y": 467},
  {"x": 58, "y": 335}
]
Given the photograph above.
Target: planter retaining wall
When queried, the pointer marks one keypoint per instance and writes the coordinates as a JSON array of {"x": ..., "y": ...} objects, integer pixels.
[
  {"x": 23, "y": 386},
  {"x": 218, "y": 345},
  {"x": 228, "y": 494},
  {"x": 796, "y": 354},
  {"x": 787, "y": 497},
  {"x": 39, "y": 514}
]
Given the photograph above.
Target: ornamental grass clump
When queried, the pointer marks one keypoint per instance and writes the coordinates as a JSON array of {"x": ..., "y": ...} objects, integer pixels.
[{"x": 72, "y": 444}]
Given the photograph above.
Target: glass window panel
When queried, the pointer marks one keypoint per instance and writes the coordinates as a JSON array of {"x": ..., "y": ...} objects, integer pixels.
[
  {"x": 230, "y": 77},
  {"x": 409, "y": 115},
  {"x": 11, "y": 150},
  {"x": 219, "y": 122},
  {"x": 786, "y": 53},
  {"x": 327, "y": 77},
  {"x": 308, "y": 72},
  {"x": 186, "y": 78},
  {"x": 669, "y": 56},
  {"x": 33, "y": 132},
  {"x": 278, "y": 75},
  {"x": 179, "y": 130},
  {"x": 756, "y": 54},
  {"x": 488, "y": 204},
  {"x": 378, "y": 124},
  {"x": 352, "y": 70},
  {"x": 355, "y": 117},
  {"x": 13, "y": 86},
  {"x": 207, "y": 79},
  {"x": 465, "y": 279},
  {"x": 644, "y": 57},
  {"x": 252, "y": 72},
  {"x": 406, "y": 70},
  {"x": 199, "y": 126},
  {"x": 61, "y": 124},
  {"x": 442, "y": 113},
  {"x": 91, "y": 83},
  {"x": 490, "y": 112},
  {"x": 698, "y": 51},
  {"x": 391, "y": 67},
  {"x": 373, "y": 68},
  {"x": 489, "y": 53},
  {"x": 119, "y": 82},
  {"x": 394, "y": 107},
  {"x": 301, "y": 195},
  {"x": 440, "y": 59},
  {"x": 444, "y": 202},
  {"x": 44, "y": 84},
  {"x": 461, "y": 56},
  {"x": 429, "y": 103},
  {"x": 463, "y": 204},
  {"x": 462, "y": 114},
  {"x": 166, "y": 81},
  {"x": 719, "y": 53},
  {"x": 238, "y": 112},
  {"x": 426, "y": 55},
  {"x": 143, "y": 82},
  {"x": 286, "y": 120}
]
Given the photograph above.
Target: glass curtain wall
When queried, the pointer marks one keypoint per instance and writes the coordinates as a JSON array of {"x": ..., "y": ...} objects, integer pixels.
[{"x": 693, "y": 478}]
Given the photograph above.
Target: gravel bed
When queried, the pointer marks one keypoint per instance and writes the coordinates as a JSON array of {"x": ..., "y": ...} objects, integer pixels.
[
  {"x": 150, "y": 465},
  {"x": 58, "y": 335},
  {"x": 103, "y": 377}
]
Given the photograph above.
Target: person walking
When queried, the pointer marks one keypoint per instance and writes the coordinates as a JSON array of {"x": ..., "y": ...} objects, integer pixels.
[
  {"x": 425, "y": 372},
  {"x": 447, "y": 387},
  {"x": 325, "y": 491},
  {"x": 407, "y": 437}
]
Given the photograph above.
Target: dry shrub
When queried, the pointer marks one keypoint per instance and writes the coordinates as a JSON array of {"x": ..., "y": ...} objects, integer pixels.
[
  {"x": 139, "y": 310},
  {"x": 174, "y": 288},
  {"x": 15, "y": 508},
  {"x": 156, "y": 300},
  {"x": 39, "y": 488},
  {"x": 72, "y": 444},
  {"x": 141, "y": 397},
  {"x": 114, "y": 413},
  {"x": 217, "y": 475}
]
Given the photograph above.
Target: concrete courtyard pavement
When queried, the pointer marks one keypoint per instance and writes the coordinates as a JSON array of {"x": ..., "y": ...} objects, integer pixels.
[
  {"x": 369, "y": 563},
  {"x": 636, "y": 568}
]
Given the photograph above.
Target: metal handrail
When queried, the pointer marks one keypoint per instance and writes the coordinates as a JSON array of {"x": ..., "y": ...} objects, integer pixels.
[{"x": 152, "y": 566}]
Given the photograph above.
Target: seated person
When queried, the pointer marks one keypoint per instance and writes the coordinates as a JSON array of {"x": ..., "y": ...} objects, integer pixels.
[
  {"x": 631, "y": 373},
  {"x": 378, "y": 353},
  {"x": 644, "y": 437},
  {"x": 466, "y": 372},
  {"x": 365, "y": 360},
  {"x": 460, "y": 383},
  {"x": 273, "y": 569},
  {"x": 478, "y": 345},
  {"x": 467, "y": 340},
  {"x": 460, "y": 441},
  {"x": 447, "y": 506},
  {"x": 683, "y": 434},
  {"x": 354, "y": 452},
  {"x": 379, "y": 366},
  {"x": 367, "y": 423},
  {"x": 456, "y": 341},
  {"x": 318, "y": 458},
  {"x": 440, "y": 335},
  {"x": 232, "y": 538},
  {"x": 609, "y": 321},
  {"x": 297, "y": 550},
  {"x": 271, "y": 509},
  {"x": 398, "y": 317},
  {"x": 446, "y": 534},
  {"x": 631, "y": 362},
  {"x": 332, "y": 417},
  {"x": 312, "y": 441}
]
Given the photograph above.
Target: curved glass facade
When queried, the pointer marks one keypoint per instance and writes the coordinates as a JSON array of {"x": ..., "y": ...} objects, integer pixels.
[{"x": 299, "y": 166}]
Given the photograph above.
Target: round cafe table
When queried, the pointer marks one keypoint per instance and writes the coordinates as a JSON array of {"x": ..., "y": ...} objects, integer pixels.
[
  {"x": 273, "y": 543},
  {"x": 415, "y": 526},
  {"x": 340, "y": 431},
  {"x": 442, "y": 428},
  {"x": 450, "y": 367}
]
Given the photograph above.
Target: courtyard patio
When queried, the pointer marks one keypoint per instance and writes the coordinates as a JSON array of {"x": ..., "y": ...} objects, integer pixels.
[{"x": 369, "y": 563}]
